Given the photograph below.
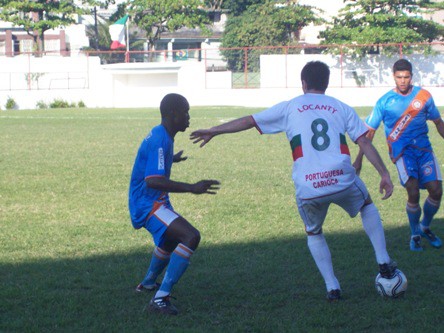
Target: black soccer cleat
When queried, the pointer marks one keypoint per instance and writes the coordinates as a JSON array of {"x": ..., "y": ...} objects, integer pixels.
[
  {"x": 163, "y": 305},
  {"x": 434, "y": 240},
  {"x": 387, "y": 271},
  {"x": 334, "y": 295},
  {"x": 415, "y": 244}
]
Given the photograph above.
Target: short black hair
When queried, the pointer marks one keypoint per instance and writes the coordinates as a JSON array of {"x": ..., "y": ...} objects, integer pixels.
[
  {"x": 316, "y": 74},
  {"x": 402, "y": 65},
  {"x": 172, "y": 102}
]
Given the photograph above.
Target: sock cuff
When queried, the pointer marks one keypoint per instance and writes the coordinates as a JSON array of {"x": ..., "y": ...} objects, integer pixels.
[
  {"x": 183, "y": 251},
  {"x": 161, "y": 254},
  {"x": 432, "y": 202},
  {"x": 412, "y": 208}
]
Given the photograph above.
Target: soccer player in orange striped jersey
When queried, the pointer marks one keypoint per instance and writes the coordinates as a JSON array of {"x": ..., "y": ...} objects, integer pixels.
[
  {"x": 404, "y": 111},
  {"x": 316, "y": 126}
]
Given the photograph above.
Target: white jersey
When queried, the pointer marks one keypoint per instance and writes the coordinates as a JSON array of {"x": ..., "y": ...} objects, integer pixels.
[{"x": 315, "y": 125}]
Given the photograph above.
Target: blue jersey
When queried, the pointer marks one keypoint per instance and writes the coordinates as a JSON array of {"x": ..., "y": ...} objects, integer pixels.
[
  {"x": 404, "y": 118},
  {"x": 154, "y": 159}
]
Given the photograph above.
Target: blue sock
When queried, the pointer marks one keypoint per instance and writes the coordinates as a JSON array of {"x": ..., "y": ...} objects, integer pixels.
[
  {"x": 414, "y": 214},
  {"x": 158, "y": 262},
  {"x": 180, "y": 259},
  {"x": 430, "y": 209}
]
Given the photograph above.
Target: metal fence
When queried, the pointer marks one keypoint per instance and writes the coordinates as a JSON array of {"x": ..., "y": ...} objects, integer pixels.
[
  {"x": 249, "y": 67},
  {"x": 46, "y": 71}
]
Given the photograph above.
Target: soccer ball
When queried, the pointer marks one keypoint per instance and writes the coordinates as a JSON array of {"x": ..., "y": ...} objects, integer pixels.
[{"x": 394, "y": 287}]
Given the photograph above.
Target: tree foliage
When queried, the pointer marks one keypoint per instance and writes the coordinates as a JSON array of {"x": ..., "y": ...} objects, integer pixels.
[
  {"x": 158, "y": 16},
  {"x": 238, "y": 7},
  {"x": 38, "y": 16},
  {"x": 435, "y": 5},
  {"x": 383, "y": 21},
  {"x": 213, "y": 5},
  {"x": 101, "y": 33},
  {"x": 94, "y": 32},
  {"x": 269, "y": 24}
]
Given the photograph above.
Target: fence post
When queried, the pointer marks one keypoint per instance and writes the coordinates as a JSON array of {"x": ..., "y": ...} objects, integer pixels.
[
  {"x": 87, "y": 70},
  {"x": 205, "y": 67},
  {"x": 342, "y": 67},
  {"x": 246, "y": 67},
  {"x": 29, "y": 72},
  {"x": 286, "y": 66}
]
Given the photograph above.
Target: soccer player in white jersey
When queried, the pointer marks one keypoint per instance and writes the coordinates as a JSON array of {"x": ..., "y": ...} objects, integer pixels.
[
  {"x": 404, "y": 111},
  {"x": 150, "y": 208},
  {"x": 315, "y": 125}
]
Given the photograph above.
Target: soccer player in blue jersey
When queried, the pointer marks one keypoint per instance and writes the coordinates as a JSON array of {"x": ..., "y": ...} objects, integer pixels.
[
  {"x": 404, "y": 112},
  {"x": 174, "y": 237}
]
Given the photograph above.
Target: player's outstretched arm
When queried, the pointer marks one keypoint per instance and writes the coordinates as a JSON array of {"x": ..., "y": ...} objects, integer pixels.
[
  {"x": 208, "y": 186},
  {"x": 237, "y": 125},
  {"x": 386, "y": 185},
  {"x": 178, "y": 157}
]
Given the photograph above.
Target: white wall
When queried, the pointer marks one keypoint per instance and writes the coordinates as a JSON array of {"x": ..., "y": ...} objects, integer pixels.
[
  {"x": 372, "y": 71},
  {"x": 144, "y": 84}
]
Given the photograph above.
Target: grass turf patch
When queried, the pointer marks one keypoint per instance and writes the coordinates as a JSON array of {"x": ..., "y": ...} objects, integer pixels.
[{"x": 69, "y": 258}]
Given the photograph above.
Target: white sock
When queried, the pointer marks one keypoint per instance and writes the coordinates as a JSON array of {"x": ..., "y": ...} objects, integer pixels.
[
  {"x": 322, "y": 256},
  {"x": 371, "y": 221},
  {"x": 160, "y": 293}
]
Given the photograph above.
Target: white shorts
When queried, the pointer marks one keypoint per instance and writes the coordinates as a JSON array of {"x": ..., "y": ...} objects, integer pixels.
[{"x": 314, "y": 211}]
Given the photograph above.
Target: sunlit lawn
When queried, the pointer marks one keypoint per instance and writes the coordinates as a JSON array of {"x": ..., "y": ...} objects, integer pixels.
[{"x": 69, "y": 258}]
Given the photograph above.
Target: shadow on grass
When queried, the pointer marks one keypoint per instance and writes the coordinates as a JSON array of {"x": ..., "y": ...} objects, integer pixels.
[{"x": 271, "y": 286}]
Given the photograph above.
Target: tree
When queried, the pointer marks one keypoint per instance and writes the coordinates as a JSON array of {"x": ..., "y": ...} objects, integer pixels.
[
  {"x": 238, "y": 7},
  {"x": 383, "y": 21},
  {"x": 95, "y": 37},
  {"x": 38, "y": 16},
  {"x": 99, "y": 34},
  {"x": 269, "y": 24},
  {"x": 158, "y": 16},
  {"x": 214, "y": 5}
]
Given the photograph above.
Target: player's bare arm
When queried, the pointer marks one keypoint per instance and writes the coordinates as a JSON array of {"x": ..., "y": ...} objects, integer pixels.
[
  {"x": 208, "y": 186},
  {"x": 386, "y": 185},
  {"x": 237, "y": 125},
  {"x": 440, "y": 127},
  {"x": 357, "y": 164}
]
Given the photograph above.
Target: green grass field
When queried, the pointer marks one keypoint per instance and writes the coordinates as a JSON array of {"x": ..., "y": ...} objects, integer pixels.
[{"x": 69, "y": 258}]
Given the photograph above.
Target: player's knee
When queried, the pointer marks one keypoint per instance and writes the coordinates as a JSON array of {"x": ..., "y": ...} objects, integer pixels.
[
  {"x": 436, "y": 193},
  {"x": 314, "y": 232},
  {"x": 192, "y": 239},
  {"x": 369, "y": 210},
  {"x": 413, "y": 195}
]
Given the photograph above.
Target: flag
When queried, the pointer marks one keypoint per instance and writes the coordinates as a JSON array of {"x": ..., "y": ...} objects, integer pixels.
[{"x": 117, "y": 33}]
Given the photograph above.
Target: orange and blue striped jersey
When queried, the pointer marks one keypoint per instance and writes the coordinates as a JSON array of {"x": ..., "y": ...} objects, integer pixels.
[
  {"x": 405, "y": 119},
  {"x": 154, "y": 159}
]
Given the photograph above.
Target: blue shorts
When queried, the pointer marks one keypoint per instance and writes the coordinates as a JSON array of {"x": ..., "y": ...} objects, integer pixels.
[
  {"x": 159, "y": 221},
  {"x": 420, "y": 164}
]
